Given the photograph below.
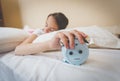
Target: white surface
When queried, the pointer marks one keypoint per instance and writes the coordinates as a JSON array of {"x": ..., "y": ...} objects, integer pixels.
[
  {"x": 10, "y": 38},
  {"x": 102, "y": 65}
]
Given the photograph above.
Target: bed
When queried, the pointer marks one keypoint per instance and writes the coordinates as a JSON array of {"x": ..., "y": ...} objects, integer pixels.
[{"x": 102, "y": 64}]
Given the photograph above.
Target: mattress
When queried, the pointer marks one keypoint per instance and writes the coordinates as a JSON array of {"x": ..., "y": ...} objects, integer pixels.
[{"x": 101, "y": 65}]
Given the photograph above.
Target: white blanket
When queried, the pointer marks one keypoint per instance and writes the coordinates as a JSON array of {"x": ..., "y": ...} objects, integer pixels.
[{"x": 102, "y": 65}]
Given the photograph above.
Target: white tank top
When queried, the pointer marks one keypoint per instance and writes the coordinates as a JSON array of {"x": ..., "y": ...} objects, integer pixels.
[{"x": 38, "y": 32}]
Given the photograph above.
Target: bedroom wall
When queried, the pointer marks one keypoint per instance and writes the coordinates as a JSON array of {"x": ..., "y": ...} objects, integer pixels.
[{"x": 79, "y": 12}]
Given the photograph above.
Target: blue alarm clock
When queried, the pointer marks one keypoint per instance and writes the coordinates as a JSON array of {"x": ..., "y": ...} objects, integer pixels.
[{"x": 76, "y": 56}]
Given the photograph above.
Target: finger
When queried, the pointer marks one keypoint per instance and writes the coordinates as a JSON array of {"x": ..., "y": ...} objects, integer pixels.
[
  {"x": 71, "y": 39},
  {"x": 78, "y": 35},
  {"x": 83, "y": 34},
  {"x": 85, "y": 37},
  {"x": 64, "y": 39}
]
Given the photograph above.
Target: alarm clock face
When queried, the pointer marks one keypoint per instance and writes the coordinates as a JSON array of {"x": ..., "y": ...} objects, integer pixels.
[{"x": 76, "y": 56}]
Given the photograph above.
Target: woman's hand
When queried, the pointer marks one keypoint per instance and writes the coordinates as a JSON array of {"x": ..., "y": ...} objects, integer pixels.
[{"x": 66, "y": 36}]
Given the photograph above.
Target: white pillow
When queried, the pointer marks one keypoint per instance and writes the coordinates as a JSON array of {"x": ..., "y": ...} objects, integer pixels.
[
  {"x": 10, "y": 38},
  {"x": 98, "y": 37},
  {"x": 44, "y": 37}
]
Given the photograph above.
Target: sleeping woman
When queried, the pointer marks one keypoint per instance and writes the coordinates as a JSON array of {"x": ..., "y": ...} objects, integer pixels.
[{"x": 55, "y": 21}]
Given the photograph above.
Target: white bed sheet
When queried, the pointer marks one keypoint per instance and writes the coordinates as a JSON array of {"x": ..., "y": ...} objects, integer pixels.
[{"x": 102, "y": 65}]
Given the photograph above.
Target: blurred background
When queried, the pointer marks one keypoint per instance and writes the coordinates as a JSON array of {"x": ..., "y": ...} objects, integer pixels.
[{"x": 33, "y": 13}]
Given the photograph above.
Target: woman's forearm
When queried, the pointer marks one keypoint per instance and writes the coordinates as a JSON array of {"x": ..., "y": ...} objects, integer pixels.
[{"x": 32, "y": 48}]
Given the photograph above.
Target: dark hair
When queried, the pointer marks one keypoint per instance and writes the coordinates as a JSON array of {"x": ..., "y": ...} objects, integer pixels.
[{"x": 61, "y": 19}]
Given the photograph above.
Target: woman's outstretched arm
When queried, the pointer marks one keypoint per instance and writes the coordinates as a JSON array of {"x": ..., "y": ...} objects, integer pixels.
[{"x": 32, "y": 48}]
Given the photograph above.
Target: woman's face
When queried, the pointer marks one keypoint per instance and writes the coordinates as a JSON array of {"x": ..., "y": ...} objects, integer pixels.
[{"x": 51, "y": 25}]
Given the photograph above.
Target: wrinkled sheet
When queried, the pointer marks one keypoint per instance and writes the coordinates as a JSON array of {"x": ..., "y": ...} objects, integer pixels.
[{"x": 102, "y": 65}]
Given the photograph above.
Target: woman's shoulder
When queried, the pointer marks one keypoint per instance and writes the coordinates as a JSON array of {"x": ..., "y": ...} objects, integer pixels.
[{"x": 38, "y": 31}]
